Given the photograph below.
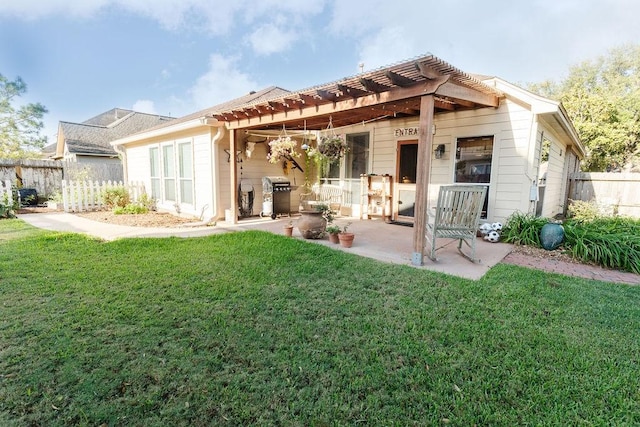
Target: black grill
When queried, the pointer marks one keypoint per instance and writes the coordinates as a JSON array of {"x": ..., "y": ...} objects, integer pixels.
[{"x": 277, "y": 190}]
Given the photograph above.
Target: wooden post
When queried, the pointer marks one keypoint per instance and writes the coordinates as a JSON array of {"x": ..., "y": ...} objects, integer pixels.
[
  {"x": 234, "y": 176},
  {"x": 425, "y": 144}
]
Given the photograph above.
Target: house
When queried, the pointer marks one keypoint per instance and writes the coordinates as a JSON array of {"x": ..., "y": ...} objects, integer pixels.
[
  {"x": 421, "y": 123},
  {"x": 87, "y": 143}
]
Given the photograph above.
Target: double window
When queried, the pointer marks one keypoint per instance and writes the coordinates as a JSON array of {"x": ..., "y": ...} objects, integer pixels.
[{"x": 172, "y": 175}]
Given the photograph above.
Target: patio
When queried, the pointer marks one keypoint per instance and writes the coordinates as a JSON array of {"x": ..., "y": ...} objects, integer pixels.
[{"x": 374, "y": 239}]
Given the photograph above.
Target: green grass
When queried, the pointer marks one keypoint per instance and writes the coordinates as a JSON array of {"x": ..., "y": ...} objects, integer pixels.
[{"x": 258, "y": 329}]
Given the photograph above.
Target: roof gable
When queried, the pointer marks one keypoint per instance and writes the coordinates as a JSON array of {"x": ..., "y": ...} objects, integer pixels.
[{"x": 93, "y": 136}]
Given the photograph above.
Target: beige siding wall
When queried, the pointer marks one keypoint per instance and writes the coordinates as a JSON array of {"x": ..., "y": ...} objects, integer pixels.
[
  {"x": 556, "y": 180},
  {"x": 511, "y": 125},
  {"x": 138, "y": 162}
]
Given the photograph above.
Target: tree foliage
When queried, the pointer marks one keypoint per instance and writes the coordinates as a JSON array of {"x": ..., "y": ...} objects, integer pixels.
[
  {"x": 19, "y": 125},
  {"x": 602, "y": 98}
]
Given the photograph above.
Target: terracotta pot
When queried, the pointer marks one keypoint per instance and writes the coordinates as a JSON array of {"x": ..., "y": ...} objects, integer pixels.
[
  {"x": 333, "y": 238},
  {"x": 346, "y": 239},
  {"x": 288, "y": 230},
  {"x": 312, "y": 224}
]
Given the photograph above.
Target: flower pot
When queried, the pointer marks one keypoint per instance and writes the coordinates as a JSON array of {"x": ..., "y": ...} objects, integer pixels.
[
  {"x": 346, "y": 239},
  {"x": 312, "y": 224},
  {"x": 333, "y": 238},
  {"x": 288, "y": 230}
]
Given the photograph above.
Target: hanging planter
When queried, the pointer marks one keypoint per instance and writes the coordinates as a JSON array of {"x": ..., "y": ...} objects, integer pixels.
[
  {"x": 282, "y": 149},
  {"x": 333, "y": 147}
]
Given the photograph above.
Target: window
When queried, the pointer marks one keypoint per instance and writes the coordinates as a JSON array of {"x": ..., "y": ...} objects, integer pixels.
[
  {"x": 169, "y": 173},
  {"x": 473, "y": 159},
  {"x": 357, "y": 158},
  {"x": 473, "y": 163},
  {"x": 185, "y": 165},
  {"x": 154, "y": 166}
]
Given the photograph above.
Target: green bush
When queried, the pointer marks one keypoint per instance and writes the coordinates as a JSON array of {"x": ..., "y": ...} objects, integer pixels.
[
  {"x": 116, "y": 197},
  {"x": 146, "y": 201},
  {"x": 612, "y": 242},
  {"x": 583, "y": 211},
  {"x": 8, "y": 207},
  {"x": 523, "y": 229},
  {"x": 609, "y": 242},
  {"x": 131, "y": 208}
]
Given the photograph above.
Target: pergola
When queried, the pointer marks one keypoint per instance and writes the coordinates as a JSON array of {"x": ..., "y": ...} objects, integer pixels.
[{"x": 419, "y": 87}]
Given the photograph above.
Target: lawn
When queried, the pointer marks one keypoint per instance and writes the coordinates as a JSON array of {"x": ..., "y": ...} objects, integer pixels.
[{"x": 258, "y": 329}]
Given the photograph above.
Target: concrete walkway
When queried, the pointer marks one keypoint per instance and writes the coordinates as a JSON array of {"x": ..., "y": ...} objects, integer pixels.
[{"x": 374, "y": 239}]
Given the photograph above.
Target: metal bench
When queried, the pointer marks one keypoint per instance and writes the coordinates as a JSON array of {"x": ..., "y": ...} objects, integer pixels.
[{"x": 456, "y": 217}]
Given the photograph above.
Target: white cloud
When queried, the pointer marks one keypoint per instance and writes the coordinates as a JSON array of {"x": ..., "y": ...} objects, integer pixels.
[
  {"x": 36, "y": 9},
  {"x": 270, "y": 38},
  {"x": 144, "y": 106},
  {"x": 222, "y": 82}
]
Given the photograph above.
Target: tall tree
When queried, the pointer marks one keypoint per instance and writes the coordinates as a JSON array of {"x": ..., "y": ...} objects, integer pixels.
[
  {"x": 19, "y": 125},
  {"x": 602, "y": 97}
]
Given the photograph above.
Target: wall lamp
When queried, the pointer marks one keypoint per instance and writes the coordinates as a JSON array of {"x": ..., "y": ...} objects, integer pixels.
[{"x": 439, "y": 151}]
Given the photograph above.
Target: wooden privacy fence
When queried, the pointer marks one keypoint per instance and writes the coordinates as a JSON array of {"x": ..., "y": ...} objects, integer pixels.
[
  {"x": 621, "y": 191},
  {"x": 79, "y": 196}
]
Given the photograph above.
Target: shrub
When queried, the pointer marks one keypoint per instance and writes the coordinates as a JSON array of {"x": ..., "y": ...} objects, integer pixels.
[
  {"x": 8, "y": 206},
  {"x": 131, "y": 208},
  {"x": 146, "y": 201},
  {"x": 583, "y": 211},
  {"x": 609, "y": 242},
  {"x": 523, "y": 229},
  {"x": 116, "y": 197}
]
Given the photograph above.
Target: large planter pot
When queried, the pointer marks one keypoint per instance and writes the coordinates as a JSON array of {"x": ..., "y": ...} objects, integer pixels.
[
  {"x": 551, "y": 236},
  {"x": 312, "y": 224},
  {"x": 346, "y": 239}
]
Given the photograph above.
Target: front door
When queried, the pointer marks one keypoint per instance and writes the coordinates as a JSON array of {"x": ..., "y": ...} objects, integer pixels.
[
  {"x": 474, "y": 157},
  {"x": 405, "y": 186}
]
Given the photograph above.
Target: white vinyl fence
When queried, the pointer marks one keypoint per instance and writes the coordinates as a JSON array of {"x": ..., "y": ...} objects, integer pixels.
[{"x": 79, "y": 196}]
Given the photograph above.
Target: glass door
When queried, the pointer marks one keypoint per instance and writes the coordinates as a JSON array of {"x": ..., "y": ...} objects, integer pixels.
[{"x": 405, "y": 187}]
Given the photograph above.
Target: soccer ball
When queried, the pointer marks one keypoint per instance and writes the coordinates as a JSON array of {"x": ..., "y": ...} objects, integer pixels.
[
  {"x": 485, "y": 228},
  {"x": 493, "y": 236},
  {"x": 496, "y": 226}
]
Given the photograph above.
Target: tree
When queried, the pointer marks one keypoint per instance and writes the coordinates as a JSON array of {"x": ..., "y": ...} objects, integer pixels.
[
  {"x": 19, "y": 126},
  {"x": 602, "y": 98}
]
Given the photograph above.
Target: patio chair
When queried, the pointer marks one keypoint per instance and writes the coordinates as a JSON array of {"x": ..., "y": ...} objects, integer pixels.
[{"x": 456, "y": 217}]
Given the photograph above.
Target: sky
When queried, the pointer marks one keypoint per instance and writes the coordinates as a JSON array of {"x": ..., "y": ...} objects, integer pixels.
[{"x": 80, "y": 58}]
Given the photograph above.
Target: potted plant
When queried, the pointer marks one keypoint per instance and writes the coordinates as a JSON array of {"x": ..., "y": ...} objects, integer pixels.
[
  {"x": 313, "y": 222},
  {"x": 288, "y": 229},
  {"x": 345, "y": 237},
  {"x": 333, "y": 231},
  {"x": 332, "y": 147}
]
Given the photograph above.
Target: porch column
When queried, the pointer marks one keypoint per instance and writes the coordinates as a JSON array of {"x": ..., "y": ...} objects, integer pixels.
[
  {"x": 425, "y": 144},
  {"x": 233, "y": 160}
]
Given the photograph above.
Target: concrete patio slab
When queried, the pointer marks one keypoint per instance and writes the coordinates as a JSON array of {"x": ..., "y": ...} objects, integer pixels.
[{"x": 374, "y": 239}]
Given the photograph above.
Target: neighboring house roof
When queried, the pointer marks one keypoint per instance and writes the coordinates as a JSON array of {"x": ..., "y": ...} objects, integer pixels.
[
  {"x": 271, "y": 92},
  {"x": 92, "y": 137}
]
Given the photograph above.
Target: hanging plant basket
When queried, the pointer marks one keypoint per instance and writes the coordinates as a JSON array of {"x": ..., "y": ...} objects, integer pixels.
[
  {"x": 333, "y": 147},
  {"x": 282, "y": 148}
]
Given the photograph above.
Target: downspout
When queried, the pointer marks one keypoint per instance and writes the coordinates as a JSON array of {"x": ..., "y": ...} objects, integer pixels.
[
  {"x": 215, "y": 178},
  {"x": 125, "y": 167}
]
